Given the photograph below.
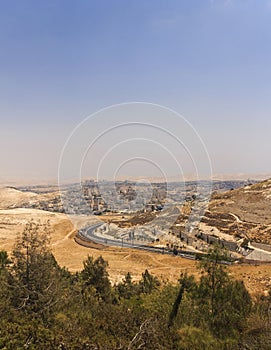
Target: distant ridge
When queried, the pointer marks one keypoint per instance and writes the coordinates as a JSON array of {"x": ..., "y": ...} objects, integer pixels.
[{"x": 242, "y": 176}]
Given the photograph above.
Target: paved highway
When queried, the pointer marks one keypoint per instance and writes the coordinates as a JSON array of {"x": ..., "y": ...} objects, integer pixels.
[{"x": 88, "y": 234}]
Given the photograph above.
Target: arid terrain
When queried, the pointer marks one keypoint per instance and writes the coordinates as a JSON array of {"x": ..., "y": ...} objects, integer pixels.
[{"x": 245, "y": 210}]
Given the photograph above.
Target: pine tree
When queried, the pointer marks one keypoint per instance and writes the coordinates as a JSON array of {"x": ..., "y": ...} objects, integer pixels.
[
  {"x": 224, "y": 301},
  {"x": 4, "y": 260},
  {"x": 148, "y": 283},
  {"x": 35, "y": 273},
  {"x": 186, "y": 284},
  {"x": 95, "y": 277},
  {"x": 127, "y": 289}
]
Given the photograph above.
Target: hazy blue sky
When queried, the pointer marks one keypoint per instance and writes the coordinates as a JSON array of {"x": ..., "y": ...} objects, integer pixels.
[{"x": 210, "y": 60}]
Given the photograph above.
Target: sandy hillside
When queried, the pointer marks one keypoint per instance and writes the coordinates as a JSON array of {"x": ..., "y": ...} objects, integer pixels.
[
  {"x": 70, "y": 254},
  {"x": 250, "y": 203},
  {"x": 244, "y": 212},
  {"x": 244, "y": 208},
  {"x": 13, "y": 221},
  {"x": 12, "y": 198}
]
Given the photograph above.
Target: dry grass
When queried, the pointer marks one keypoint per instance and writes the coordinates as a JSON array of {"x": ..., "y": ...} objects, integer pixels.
[{"x": 70, "y": 254}]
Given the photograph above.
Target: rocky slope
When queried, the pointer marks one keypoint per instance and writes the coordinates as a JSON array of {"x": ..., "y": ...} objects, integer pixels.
[{"x": 244, "y": 212}]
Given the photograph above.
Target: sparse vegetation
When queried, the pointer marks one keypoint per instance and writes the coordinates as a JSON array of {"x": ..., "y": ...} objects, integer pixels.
[{"x": 44, "y": 306}]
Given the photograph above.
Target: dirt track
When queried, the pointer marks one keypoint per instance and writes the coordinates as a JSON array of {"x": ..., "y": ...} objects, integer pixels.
[{"x": 70, "y": 254}]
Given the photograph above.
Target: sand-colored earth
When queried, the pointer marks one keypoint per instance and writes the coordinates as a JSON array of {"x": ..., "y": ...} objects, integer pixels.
[
  {"x": 70, "y": 254},
  {"x": 11, "y": 198},
  {"x": 243, "y": 212}
]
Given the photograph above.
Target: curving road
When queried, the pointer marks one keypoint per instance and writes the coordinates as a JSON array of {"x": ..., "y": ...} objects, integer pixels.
[{"x": 88, "y": 234}]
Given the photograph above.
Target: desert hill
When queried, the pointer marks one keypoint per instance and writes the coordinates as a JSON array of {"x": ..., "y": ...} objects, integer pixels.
[
  {"x": 11, "y": 198},
  {"x": 13, "y": 221},
  {"x": 243, "y": 212},
  {"x": 70, "y": 254},
  {"x": 251, "y": 203}
]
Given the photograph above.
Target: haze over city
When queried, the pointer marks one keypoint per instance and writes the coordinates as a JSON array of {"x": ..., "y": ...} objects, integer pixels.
[{"x": 62, "y": 61}]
